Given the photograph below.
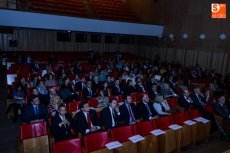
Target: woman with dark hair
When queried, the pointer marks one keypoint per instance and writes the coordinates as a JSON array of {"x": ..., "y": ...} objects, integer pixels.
[
  {"x": 67, "y": 92},
  {"x": 18, "y": 101},
  {"x": 129, "y": 88}
]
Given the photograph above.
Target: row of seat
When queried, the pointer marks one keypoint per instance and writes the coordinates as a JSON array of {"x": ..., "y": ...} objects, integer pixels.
[{"x": 172, "y": 140}]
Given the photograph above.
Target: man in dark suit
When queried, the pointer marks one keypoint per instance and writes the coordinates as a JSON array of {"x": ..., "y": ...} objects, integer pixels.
[
  {"x": 145, "y": 109},
  {"x": 110, "y": 115},
  {"x": 222, "y": 110},
  {"x": 89, "y": 92},
  {"x": 117, "y": 89},
  {"x": 34, "y": 111},
  {"x": 128, "y": 111},
  {"x": 95, "y": 83},
  {"x": 90, "y": 77},
  {"x": 61, "y": 124},
  {"x": 152, "y": 81},
  {"x": 185, "y": 100},
  {"x": 87, "y": 119},
  {"x": 199, "y": 102},
  {"x": 153, "y": 93},
  {"x": 198, "y": 99},
  {"x": 172, "y": 83},
  {"x": 80, "y": 85}
]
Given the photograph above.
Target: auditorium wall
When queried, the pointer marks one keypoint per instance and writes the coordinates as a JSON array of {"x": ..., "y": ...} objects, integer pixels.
[{"x": 43, "y": 40}]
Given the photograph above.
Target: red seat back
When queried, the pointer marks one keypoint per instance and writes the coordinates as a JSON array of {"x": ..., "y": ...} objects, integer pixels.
[
  {"x": 172, "y": 102},
  {"x": 93, "y": 103},
  {"x": 179, "y": 118},
  {"x": 163, "y": 122},
  {"x": 133, "y": 96},
  {"x": 209, "y": 108},
  {"x": 95, "y": 141},
  {"x": 32, "y": 130},
  {"x": 194, "y": 113},
  {"x": 67, "y": 146},
  {"x": 144, "y": 128},
  {"x": 73, "y": 106},
  {"x": 121, "y": 134},
  {"x": 138, "y": 96},
  {"x": 118, "y": 98}
]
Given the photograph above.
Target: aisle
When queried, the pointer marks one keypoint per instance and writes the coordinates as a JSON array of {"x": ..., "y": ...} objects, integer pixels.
[{"x": 8, "y": 129}]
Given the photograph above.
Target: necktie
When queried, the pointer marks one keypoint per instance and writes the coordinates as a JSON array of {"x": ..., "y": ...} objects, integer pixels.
[
  {"x": 90, "y": 91},
  {"x": 149, "y": 112},
  {"x": 88, "y": 121},
  {"x": 199, "y": 99},
  {"x": 132, "y": 118},
  {"x": 113, "y": 118},
  {"x": 36, "y": 110},
  {"x": 162, "y": 107},
  {"x": 118, "y": 88}
]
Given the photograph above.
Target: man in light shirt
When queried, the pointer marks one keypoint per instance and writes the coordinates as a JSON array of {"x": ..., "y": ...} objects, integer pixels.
[{"x": 110, "y": 115}]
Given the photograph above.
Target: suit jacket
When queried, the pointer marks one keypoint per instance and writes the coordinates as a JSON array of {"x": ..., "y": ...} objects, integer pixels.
[
  {"x": 28, "y": 113},
  {"x": 95, "y": 85},
  {"x": 63, "y": 132},
  {"x": 223, "y": 111},
  {"x": 86, "y": 94},
  {"x": 129, "y": 89},
  {"x": 125, "y": 116},
  {"x": 143, "y": 112},
  {"x": 107, "y": 118},
  {"x": 78, "y": 86},
  {"x": 139, "y": 88},
  {"x": 115, "y": 90},
  {"x": 196, "y": 103},
  {"x": 81, "y": 121},
  {"x": 152, "y": 95},
  {"x": 172, "y": 85},
  {"x": 184, "y": 103}
]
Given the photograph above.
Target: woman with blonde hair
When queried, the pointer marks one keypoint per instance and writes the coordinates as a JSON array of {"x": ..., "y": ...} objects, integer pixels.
[{"x": 55, "y": 101}]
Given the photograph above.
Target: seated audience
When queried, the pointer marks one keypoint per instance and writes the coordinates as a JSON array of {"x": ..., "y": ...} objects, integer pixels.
[
  {"x": 222, "y": 110},
  {"x": 43, "y": 93},
  {"x": 105, "y": 94},
  {"x": 50, "y": 81},
  {"x": 67, "y": 93},
  {"x": 110, "y": 115},
  {"x": 89, "y": 92},
  {"x": 18, "y": 101},
  {"x": 61, "y": 124},
  {"x": 117, "y": 88},
  {"x": 87, "y": 120},
  {"x": 128, "y": 111},
  {"x": 34, "y": 111},
  {"x": 198, "y": 99},
  {"x": 129, "y": 87},
  {"x": 55, "y": 101},
  {"x": 145, "y": 109},
  {"x": 161, "y": 106},
  {"x": 185, "y": 100},
  {"x": 139, "y": 86},
  {"x": 153, "y": 93}
]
